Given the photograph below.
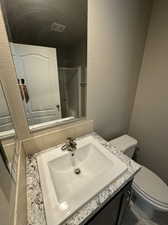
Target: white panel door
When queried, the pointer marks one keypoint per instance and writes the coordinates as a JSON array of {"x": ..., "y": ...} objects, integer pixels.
[{"x": 38, "y": 66}]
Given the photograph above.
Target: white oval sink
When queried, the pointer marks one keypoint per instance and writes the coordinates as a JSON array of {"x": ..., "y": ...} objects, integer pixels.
[{"x": 63, "y": 190}]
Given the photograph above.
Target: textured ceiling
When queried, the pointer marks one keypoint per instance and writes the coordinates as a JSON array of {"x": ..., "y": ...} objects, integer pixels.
[{"x": 30, "y": 21}]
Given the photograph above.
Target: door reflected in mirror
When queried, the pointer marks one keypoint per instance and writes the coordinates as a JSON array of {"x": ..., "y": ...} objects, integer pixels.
[
  {"x": 6, "y": 125},
  {"x": 48, "y": 42}
]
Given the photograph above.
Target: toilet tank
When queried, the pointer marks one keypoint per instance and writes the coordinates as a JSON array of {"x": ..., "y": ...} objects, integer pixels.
[{"x": 125, "y": 144}]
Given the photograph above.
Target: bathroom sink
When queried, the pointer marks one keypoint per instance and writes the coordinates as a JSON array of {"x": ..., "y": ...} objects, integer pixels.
[{"x": 64, "y": 191}]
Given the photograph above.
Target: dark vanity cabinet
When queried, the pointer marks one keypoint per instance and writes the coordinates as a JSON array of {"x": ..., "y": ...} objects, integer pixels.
[{"x": 112, "y": 213}]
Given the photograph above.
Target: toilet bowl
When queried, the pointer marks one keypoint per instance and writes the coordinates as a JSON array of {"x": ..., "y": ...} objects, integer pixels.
[{"x": 150, "y": 193}]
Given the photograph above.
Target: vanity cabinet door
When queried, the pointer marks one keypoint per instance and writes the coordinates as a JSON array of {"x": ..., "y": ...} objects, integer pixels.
[
  {"x": 108, "y": 215},
  {"x": 124, "y": 205},
  {"x": 113, "y": 212}
]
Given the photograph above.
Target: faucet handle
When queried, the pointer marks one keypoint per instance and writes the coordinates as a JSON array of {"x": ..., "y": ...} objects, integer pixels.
[
  {"x": 64, "y": 147},
  {"x": 71, "y": 142}
]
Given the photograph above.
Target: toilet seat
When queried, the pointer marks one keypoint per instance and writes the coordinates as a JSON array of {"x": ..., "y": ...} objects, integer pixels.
[{"x": 151, "y": 188}]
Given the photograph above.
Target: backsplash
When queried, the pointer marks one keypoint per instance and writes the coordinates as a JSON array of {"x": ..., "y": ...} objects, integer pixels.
[{"x": 51, "y": 137}]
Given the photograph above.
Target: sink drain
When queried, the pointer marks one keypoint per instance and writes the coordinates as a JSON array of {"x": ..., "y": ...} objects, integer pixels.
[{"x": 77, "y": 171}]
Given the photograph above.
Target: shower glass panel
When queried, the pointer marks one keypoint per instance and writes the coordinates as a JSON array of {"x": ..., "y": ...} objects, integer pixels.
[{"x": 70, "y": 91}]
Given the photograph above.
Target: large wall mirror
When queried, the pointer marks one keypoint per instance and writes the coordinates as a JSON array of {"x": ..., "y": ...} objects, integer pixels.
[{"x": 48, "y": 40}]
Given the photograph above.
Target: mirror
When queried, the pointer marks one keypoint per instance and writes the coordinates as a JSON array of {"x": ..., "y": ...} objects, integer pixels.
[
  {"x": 48, "y": 42},
  {"x": 7, "y": 189},
  {"x": 6, "y": 126}
]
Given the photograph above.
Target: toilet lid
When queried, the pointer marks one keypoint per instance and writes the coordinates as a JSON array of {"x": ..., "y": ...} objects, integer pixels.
[{"x": 151, "y": 185}]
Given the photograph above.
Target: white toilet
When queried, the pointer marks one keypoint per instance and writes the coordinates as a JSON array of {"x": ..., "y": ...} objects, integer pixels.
[{"x": 150, "y": 193}]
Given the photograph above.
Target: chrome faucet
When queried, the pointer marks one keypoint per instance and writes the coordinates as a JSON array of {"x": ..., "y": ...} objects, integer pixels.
[{"x": 70, "y": 145}]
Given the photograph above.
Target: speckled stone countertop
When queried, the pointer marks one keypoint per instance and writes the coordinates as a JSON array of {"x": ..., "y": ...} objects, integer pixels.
[{"x": 35, "y": 204}]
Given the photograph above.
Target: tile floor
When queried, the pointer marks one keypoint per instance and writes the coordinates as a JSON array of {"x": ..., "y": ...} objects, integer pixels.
[{"x": 135, "y": 217}]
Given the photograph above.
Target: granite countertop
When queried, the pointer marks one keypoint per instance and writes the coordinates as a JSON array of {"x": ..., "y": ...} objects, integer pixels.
[{"x": 35, "y": 204}]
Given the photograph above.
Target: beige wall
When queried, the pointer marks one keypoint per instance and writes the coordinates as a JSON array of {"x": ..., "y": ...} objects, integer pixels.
[
  {"x": 150, "y": 116},
  {"x": 4, "y": 209},
  {"x": 116, "y": 35}
]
